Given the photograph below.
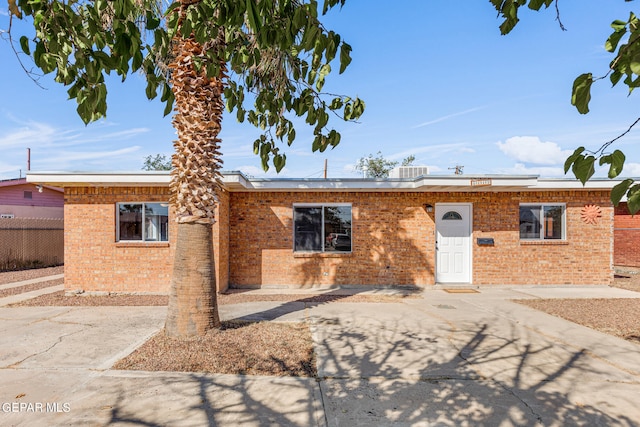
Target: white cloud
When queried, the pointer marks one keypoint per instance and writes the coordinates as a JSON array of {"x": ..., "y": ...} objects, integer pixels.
[
  {"x": 449, "y": 116},
  {"x": 631, "y": 169},
  {"x": 438, "y": 149},
  {"x": 30, "y": 134},
  {"x": 530, "y": 149}
]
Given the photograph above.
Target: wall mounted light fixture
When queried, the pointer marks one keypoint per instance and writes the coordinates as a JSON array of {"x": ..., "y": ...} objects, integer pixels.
[{"x": 428, "y": 207}]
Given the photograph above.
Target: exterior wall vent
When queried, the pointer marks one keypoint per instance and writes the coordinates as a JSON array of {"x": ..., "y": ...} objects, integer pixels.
[
  {"x": 409, "y": 171},
  {"x": 7, "y": 216}
]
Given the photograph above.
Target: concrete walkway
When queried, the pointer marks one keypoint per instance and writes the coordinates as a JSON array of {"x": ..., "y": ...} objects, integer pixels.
[{"x": 442, "y": 359}]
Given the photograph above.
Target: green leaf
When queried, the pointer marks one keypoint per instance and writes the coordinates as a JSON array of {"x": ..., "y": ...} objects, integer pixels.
[
  {"x": 618, "y": 25},
  {"x": 291, "y": 135},
  {"x": 345, "y": 57},
  {"x": 612, "y": 42},
  {"x": 169, "y": 102},
  {"x": 634, "y": 64},
  {"x": 633, "y": 199},
  {"x": 581, "y": 94},
  {"x": 24, "y": 44},
  {"x": 615, "y": 77},
  {"x": 619, "y": 190},
  {"x": 616, "y": 162},
  {"x": 279, "y": 161},
  {"x": 240, "y": 114},
  {"x": 254, "y": 18},
  {"x": 152, "y": 21},
  {"x": 583, "y": 168}
]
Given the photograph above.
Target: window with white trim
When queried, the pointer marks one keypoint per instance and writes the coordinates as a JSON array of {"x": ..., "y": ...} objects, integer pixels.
[
  {"x": 142, "y": 222},
  {"x": 542, "y": 221},
  {"x": 322, "y": 228}
]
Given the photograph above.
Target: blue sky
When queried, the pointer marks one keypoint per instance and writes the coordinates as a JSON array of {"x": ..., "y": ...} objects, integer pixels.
[{"x": 439, "y": 81}]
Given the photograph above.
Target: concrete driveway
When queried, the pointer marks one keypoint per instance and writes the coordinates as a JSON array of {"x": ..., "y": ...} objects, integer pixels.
[{"x": 443, "y": 359}]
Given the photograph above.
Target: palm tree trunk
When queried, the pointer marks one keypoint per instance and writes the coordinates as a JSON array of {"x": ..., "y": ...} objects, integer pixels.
[
  {"x": 194, "y": 185},
  {"x": 192, "y": 301}
]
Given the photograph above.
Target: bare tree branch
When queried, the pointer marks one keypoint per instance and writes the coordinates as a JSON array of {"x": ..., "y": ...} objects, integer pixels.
[{"x": 29, "y": 73}]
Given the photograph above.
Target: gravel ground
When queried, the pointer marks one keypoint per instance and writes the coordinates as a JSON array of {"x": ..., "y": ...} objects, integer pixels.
[
  {"x": 263, "y": 348},
  {"x": 29, "y": 288},
  {"x": 619, "y": 317},
  {"x": 19, "y": 276}
]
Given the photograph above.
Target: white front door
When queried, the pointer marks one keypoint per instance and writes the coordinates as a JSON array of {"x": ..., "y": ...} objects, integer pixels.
[{"x": 453, "y": 243}]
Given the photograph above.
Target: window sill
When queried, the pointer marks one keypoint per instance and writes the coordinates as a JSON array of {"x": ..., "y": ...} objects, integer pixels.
[
  {"x": 543, "y": 242},
  {"x": 321, "y": 254},
  {"x": 142, "y": 244}
]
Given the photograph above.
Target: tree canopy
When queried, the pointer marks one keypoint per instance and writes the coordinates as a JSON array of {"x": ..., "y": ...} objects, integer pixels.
[
  {"x": 624, "y": 67},
  {"x": 265, "y": 41},
  {"x": 379, "y": 167},
  {"x": 159, "y": 162}
]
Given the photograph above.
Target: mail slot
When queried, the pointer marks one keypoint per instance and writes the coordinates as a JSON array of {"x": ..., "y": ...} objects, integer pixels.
[{"x": 485, "y": 241}]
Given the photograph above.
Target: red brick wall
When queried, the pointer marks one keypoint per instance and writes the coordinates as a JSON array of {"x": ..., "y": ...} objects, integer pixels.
[
  {"x": 626, "y": 237},
  {"x": 95, "y": 262},
  {"x": 394, "y": 239}
]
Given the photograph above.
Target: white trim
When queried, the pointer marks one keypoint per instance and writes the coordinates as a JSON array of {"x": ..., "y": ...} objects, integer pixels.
[{"x": 236, "y": 181}]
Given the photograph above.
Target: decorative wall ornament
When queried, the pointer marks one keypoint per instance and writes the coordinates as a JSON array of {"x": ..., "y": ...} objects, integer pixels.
[{"x": 590, "y": 214}]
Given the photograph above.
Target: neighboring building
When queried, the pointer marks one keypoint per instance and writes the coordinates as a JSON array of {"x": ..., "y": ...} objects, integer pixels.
[
  {"x": 298, "y": 233},
  {"x": 22, "y": 199},
  {"x": 626, "y": 232},
  {"x": 31, "y": 225}
]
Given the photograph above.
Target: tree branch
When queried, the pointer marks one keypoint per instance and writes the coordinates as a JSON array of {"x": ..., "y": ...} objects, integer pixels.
[
  {"x": 29, "y": 73},
  {"x": 558, "y": 17},
  {"x": 606, "y": 145}
]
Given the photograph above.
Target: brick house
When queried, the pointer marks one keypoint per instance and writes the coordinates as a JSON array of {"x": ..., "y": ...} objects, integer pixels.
[
  {"x": 626, "y": 231},
  {"x": 444, "y": 230}
]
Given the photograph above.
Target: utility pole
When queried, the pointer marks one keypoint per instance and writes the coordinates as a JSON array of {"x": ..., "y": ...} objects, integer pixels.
[
  {"x": 325, "y": 168},
  {"x": 458, "y": 169}
]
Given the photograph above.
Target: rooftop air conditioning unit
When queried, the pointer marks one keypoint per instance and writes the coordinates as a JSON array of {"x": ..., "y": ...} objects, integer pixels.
[
  {"x": 7, "y": 216},
  {"x": 409, "y": 171}
]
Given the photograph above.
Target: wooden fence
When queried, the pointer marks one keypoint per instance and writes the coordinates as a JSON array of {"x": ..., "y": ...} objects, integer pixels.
[{"x": 31, "y": 242}]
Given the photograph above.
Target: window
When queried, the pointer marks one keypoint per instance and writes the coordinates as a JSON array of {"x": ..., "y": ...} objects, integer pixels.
[
  {"x": 451, "y": 215},
  {"x": 28, "y": 194},
  {"x": 322, "y": 228},
  {"x": 542, "y": 221},
  {"x": 147, "y": 222}
]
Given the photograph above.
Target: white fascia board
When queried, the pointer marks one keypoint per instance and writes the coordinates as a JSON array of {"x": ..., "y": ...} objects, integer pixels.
[
  {"x": 286, "y": 184},
  {"x": 476, "y": 183},
  {"x": 237, "y": 182},
  {"x": 101, "y": 179},
  {"x": 574, "y": 184}
]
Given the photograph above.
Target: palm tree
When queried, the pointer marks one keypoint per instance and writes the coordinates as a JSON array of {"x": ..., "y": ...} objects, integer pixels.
[
  {"x": 195, "y": 185},
  {"x": 276, "y": 51}
]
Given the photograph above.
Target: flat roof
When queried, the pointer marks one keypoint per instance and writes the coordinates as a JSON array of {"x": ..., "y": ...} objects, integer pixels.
[{"x": 236, "y": 181}]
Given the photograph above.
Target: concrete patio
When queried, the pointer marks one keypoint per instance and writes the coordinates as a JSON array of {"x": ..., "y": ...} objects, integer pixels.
[{"x": 441, "y": 359}]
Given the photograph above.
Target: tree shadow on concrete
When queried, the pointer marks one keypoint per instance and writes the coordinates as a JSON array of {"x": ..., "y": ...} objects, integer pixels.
[
  {"x": 386, "y": 373},
  {"x": 304, "y": 302},
  {"x": 410, "y": 367},
  {"x": 201, "y": 399},
  {"x": 393, "y": 376}
]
